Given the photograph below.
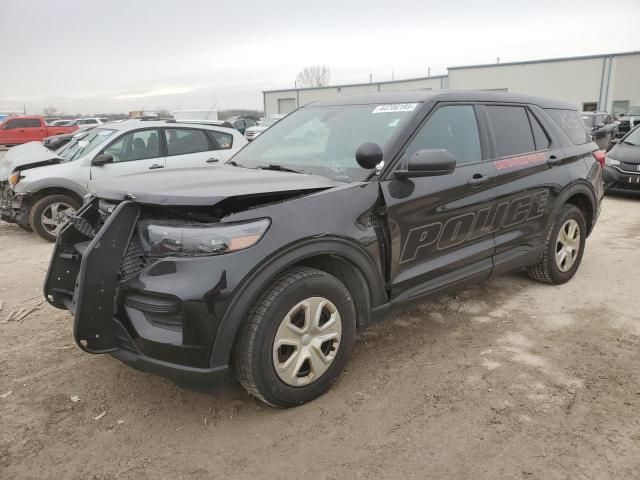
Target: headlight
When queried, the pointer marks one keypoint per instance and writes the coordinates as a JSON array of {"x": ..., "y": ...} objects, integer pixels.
[
  {"x": 14, "y": 178},
  {"x": 162, "y": 238},
  {"x": 611, "y": 162}
]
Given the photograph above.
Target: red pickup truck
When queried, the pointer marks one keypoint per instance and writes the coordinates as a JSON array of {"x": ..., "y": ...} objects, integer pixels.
[{"x": 23, "y": 129}]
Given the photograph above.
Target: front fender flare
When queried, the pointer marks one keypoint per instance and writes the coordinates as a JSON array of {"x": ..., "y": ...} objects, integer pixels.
[{"x": 255, "y": 283}]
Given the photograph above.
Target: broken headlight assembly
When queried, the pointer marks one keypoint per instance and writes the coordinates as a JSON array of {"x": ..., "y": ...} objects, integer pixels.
[
  {"x": 14, "y": 178},
  {"x": 163, "y": 238}
]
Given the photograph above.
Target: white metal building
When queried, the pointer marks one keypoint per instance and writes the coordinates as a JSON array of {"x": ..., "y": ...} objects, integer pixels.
[{"x": 608, "y": 82}]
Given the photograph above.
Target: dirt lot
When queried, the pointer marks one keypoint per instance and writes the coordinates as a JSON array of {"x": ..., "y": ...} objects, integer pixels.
[{"x": 508, "y": 379}]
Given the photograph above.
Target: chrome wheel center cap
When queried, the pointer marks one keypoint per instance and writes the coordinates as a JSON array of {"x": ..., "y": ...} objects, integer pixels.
[{"x": 305, "y": 340}]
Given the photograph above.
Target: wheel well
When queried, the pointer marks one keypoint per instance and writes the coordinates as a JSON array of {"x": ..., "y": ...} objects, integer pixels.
[
  {"x": 351, "y": 277},
  {"x": 55, "y": 191},
  {"x": 581, "y": 201}
]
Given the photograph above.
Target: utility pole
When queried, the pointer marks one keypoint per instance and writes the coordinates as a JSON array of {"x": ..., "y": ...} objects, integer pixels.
[
  {"x": 428, "y": 72},
  {"x": 371, "y": 78}
]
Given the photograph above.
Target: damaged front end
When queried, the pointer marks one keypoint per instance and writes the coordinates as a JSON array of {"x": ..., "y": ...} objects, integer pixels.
[
  {"x": 13, "y": 208},
  {"x": 126, "y": 272}
]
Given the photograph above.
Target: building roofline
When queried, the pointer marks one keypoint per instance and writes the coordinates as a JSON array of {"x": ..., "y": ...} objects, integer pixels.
[
  {"x": 384, "y": 82},
  {"x": 546, "y": 60}
]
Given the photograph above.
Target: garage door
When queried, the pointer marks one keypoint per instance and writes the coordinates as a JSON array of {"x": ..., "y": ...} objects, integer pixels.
[{"x": 286, "y": 105}]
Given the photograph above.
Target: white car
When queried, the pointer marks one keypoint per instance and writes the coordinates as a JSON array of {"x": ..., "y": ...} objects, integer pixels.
[
  {"x": 89, "y": 122},
  {"x": 39, "y": 187},
  {"x": 252, "y": 132}
]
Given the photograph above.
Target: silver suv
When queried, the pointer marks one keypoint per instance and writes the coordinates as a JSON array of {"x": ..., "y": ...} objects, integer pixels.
[{"x": 38, "y": 188}]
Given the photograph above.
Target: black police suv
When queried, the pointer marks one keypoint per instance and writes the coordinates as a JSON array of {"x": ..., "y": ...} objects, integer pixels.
[
  {"x": 622, "y": 165},
  {"x": 267, "y": 265}
]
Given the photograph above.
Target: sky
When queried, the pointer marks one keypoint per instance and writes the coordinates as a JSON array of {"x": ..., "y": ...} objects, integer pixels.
[{"x": 110, "y": 56}]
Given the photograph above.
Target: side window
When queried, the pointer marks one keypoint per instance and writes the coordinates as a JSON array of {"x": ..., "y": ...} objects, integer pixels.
[
  {"x": 138, "y": 145},
  {"x": 539, "y": 136},
  {"x": 31, "y": 123},
  {"x": 181, "y": 141},
  {"x": 221, "y": 140},
  {"x": 453, "y": 128},
  {"x": 511, "y": 130},
  {"x": 11, "y": 124},
  {"x": 570, "y": 123}
]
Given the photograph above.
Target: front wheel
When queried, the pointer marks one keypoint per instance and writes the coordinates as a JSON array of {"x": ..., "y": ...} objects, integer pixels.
[
  {"x": 49, "y": 214},
  {"x": 564, "y": 248},
  {"x": 296, "y": 339}
]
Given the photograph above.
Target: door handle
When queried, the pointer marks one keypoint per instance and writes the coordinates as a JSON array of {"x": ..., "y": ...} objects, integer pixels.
[
  {"x": 477, "y": 179},
  {"x": 155, "y": 166},
  {"x": 213, "y": 160},
  {"x": 553, "y": 160}
]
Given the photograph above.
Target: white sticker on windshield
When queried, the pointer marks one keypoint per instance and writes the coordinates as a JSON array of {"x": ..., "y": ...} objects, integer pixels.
[{"x": 395, "y": 107}]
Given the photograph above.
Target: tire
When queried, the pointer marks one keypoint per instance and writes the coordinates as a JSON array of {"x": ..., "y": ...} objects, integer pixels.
[
  {"x": 279, "y": 319},
  {"x": 47, "y": 206},
  {"x": 551, "y": 268}
]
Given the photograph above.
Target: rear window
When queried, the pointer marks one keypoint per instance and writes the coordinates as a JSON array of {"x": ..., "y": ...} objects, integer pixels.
[{"x": 571, "y": 124}]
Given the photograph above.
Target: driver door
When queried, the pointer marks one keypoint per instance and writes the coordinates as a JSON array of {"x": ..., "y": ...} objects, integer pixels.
[
  {"x": 134, "y": 152},
  {"x": 440, "y": 226}
]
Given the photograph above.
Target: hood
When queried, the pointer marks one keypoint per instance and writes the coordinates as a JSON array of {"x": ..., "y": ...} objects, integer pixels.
[
  {"x": 205, "y": 186},
  {"x": 625, "y": 153},
  {"x": 27, "y": 155}
]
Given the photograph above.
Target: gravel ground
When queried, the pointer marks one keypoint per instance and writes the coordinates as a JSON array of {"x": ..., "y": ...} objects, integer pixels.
[{"x": 508, "y": 379}]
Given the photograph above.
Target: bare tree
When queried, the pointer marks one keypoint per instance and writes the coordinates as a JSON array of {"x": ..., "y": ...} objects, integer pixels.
[
  {"x": 314, "y": 76},
  {"x": 49, "y": 111}
]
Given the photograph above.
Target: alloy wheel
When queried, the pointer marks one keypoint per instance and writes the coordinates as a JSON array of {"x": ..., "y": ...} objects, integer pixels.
[
  {"x": 567, "y": 245},
  {"x": 54, "y": 216}
]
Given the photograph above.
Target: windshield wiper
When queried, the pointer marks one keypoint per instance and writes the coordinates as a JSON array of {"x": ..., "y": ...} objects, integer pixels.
[
  {"x": 278, "y": 168},
  {"x": 233, "y": 163},
  {"x": 629, "y": 143}
]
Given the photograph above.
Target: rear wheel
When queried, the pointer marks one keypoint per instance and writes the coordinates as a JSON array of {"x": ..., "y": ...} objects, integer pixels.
[
  {"x": 49, "y": 214},
  {"x": 296, "y": 339},
  {"x": 564, "y": 248}
]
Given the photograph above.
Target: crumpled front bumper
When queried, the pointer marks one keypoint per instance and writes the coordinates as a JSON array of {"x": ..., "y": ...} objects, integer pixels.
[
  {"x": 12, "y": 207},
  {"x": 150, "y": 331}
]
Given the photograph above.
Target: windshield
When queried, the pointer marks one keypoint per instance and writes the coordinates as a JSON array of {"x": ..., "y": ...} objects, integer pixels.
[
  {"x": 323, "y": 140},
  {"x": 633, "y": 112},
  {"x": 633, "y": 138},
  {"x": 81, "y": 145},
  {"x": 268, "y": 122},
  {"x": 589, "y": 120}
]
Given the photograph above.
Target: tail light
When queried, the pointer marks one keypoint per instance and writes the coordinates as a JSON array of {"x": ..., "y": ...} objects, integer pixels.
[{"x": 599, "y": 156}]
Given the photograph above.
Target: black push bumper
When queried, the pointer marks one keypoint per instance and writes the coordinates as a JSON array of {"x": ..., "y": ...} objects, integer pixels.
[
  {"x": 617, "y": 181},
  {"x": 149, "y": 331}
]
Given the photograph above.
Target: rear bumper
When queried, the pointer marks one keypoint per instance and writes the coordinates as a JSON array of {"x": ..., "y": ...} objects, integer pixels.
[{"x": 621, "y": 182}]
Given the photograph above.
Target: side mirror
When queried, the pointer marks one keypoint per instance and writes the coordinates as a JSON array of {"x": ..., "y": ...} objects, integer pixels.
[
  {"x": 428, "y": 163},
  {"x": 102, "y": 159},
  {"x": 369, "y": 155},
  {"x": 600, "y": 125}
]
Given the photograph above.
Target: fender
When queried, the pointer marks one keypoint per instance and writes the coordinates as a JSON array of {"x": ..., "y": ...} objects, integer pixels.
[
  {"x": 578, "y": 187},
  {"x": 57, "y": 182},
  {"x": 255, "y": 282}
]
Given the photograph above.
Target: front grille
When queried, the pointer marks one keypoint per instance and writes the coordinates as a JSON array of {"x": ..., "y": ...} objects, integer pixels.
[
  {"x": 134, "y": 259},
  {"x": 630, "y": 167}
]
